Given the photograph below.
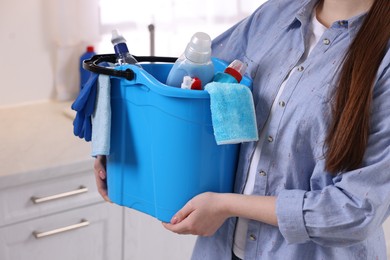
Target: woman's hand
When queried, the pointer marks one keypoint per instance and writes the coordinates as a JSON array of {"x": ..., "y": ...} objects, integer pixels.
[
  {"x": 205, "y": 213},
  {"x": 100, "y": 176},
  {"x": 202, "y": 215}
]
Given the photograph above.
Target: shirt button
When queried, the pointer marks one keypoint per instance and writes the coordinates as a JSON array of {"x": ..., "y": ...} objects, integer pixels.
[
  {"x": 263, "y": 173},
  {"x": 326, "y": 41},
  {"x": 252, "y": 237},
  {"x": 282, "y": 103},
  {"x": 342, "y": 23},
  {"x": 300, "y": 68},
  {"x": 270, "y": 139}
]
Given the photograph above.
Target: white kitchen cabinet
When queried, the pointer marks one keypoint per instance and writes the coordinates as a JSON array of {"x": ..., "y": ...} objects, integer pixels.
[
  {"x": 146, "y": 238},
  {"x": 94, "y": 233},
  {"x": 45, "y": 195},
  {"x": 58, "y": 214},
  {"x": 49, "y": 205}
]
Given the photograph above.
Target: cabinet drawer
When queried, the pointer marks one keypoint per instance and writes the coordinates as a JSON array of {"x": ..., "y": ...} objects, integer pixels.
[
  {"x": 92, "y": 232},
  {"x": 47, "y": 196}
]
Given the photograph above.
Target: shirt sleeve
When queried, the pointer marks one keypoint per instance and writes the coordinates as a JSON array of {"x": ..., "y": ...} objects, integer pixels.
[
  {"x": 358, "y": 202},
  {"x": 230, "y": 45}
]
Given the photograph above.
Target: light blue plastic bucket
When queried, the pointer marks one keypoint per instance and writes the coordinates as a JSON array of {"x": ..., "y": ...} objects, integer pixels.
[{"x": 163, "y": 150}]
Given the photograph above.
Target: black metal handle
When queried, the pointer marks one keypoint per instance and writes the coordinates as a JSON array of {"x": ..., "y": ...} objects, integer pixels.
[{"x": 93, "y": 64}]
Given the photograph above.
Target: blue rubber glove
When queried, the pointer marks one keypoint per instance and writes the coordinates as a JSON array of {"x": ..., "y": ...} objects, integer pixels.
[{"x": 84, "y": 105}]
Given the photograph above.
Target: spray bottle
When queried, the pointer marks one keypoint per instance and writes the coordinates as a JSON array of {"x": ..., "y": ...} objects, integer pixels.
[
  {"x": 232, "y": 74},
  {"x": 121, "y": 51},
  {"x": 85, "y": 74}
]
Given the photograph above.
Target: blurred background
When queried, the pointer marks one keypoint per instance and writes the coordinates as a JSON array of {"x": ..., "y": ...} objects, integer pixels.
[{"x": 42, "y": 40}]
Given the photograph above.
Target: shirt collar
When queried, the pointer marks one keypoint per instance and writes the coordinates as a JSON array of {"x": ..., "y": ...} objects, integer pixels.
[
  {"x": 353, "y": 24},
  {"x": 302, "y": 17}
]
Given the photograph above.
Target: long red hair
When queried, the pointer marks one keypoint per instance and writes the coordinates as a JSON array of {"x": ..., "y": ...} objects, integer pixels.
[{"x": 350, "y": 126}]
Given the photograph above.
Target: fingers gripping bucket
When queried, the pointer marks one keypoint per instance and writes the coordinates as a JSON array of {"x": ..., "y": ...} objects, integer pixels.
[{"x": 163, "y": 150}]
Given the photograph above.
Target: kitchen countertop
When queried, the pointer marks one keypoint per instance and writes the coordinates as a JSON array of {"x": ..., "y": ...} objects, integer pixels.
[{"x": 39, "y": 138}]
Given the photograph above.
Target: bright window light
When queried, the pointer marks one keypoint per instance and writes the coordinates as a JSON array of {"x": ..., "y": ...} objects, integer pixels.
[{"x": 175, "y": 21}]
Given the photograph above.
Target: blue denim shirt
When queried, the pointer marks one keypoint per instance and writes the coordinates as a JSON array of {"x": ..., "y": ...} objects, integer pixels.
[{"x": 320, "y": 216}]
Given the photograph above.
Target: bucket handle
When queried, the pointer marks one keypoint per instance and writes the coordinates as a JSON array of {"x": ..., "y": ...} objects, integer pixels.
[{"x": 92, "y": 64}]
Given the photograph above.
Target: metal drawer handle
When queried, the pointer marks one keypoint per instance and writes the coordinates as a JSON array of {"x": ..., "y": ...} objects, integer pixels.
[
  {"x": 83, "y": 223},
  {"x": 80, "y": 190}
]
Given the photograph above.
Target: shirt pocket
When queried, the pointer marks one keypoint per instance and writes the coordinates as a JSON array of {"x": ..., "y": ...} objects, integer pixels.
[{"x": 324, "y": 94}]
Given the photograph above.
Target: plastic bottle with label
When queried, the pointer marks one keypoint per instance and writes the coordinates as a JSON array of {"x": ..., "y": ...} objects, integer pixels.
[
  {"x": 121, "y": 51},
  {"x": 232, "y": 74},
  {"x": 85, "y": 74},
  {"x": 194, "y": 62}
]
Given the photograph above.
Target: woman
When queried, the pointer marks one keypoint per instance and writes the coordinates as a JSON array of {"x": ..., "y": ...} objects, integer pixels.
[{"x": 317, "y": 183}]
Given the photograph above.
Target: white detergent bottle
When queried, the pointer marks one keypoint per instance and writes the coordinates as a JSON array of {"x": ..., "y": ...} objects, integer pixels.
[{"x": 194, "y": 62}]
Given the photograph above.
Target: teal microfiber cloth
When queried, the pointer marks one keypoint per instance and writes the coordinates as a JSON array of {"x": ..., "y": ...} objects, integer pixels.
[{"x": 232, "y": 113}]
